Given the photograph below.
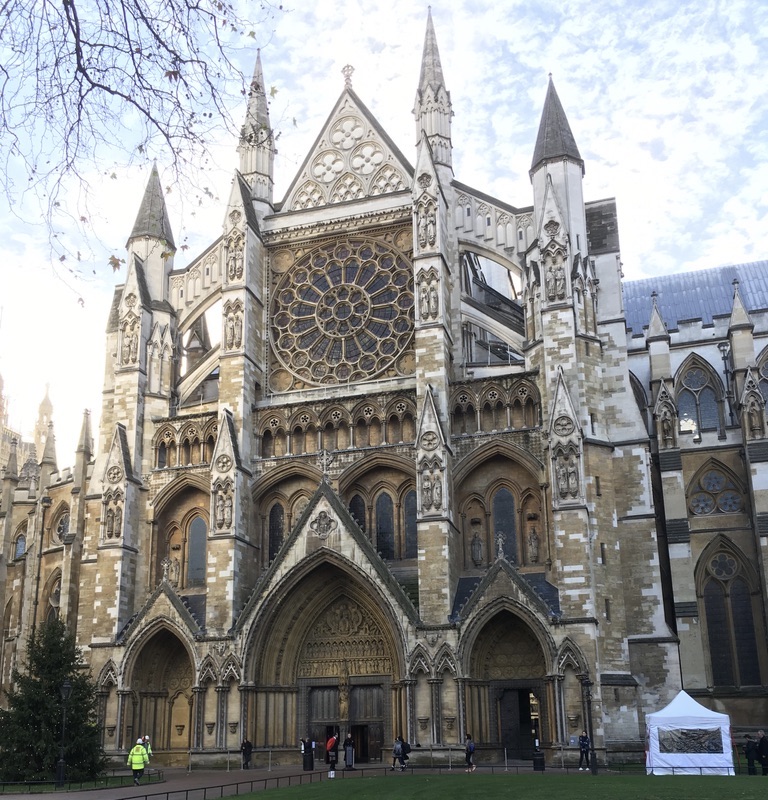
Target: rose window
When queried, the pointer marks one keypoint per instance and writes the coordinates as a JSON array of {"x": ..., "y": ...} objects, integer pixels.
[{"x": 344, "y": 313}]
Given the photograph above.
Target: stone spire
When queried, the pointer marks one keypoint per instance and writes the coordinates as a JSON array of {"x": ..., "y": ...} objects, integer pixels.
[
  {"x": 44, "y": 415},
  {"x": 432, "y": 109},
  {"x": 555, "y": 139},
  {"x": 48, "y": 461},
  {"x": 152, "y": 220},
  {"x": 257, "y": 143}
]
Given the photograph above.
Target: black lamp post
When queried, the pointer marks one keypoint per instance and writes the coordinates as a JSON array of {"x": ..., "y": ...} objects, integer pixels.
[
  {"x": 586, "y": 686},
  {"x": 66, "y": 691}
]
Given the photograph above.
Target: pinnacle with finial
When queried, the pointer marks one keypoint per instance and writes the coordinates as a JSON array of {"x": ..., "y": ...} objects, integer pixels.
[{"x": 347, "y": 71}]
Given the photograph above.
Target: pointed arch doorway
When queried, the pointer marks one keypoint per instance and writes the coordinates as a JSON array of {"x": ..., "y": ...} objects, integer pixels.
[
  {"x": 507, "y": 698},
  {"x": 161, "y": 694},
  {"x": 332, "y": 659}
]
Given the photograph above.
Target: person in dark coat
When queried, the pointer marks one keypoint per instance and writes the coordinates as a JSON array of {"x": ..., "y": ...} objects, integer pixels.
[
  {"x": 584, "y": 744},
  {"x": 246, "y": 748},
  {"x": 762, "y": 751},
  {"x": 349, "y": 752},
  {"x": 750, "y": 751}
]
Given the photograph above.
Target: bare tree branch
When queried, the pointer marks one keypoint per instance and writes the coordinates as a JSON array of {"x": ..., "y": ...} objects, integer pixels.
[{"x": 100, "y": 84}]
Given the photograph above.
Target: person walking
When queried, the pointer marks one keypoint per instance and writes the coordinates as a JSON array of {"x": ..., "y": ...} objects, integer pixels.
[
  {"x": 147, "y": 746},
  {"x": 469, "y": 752},
  {"x": 397, "y": 754},
  {"x": 762, "y": 751},
  {"x": 332, "y": 748},
  {"x": 246, "y": 750},
  {"x": 137, "y": 760},
  {"x": 584, "y": 744}
]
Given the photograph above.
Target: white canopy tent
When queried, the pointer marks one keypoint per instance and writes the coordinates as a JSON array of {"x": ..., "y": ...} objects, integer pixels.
[{"x": 686, "y": 738}]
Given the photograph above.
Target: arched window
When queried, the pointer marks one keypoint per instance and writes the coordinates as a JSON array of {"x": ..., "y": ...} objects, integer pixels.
[
  {"x": 276, "y": 529},
  {"x": 198, "y": 532},
  {"x": 20, "y": 545},
  {"x": 61, "y": 527},
  {"x": 503, "y": 510},
  {"x": 411, "y": 539},
  {"x": 357, "y": 510},
  {"x": 730, "y": 623},
  {"x": 385, "y": 526},
  {"x": 697, "y": 403}
]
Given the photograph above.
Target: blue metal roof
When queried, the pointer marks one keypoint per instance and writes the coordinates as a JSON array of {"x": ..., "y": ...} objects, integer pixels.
[{"x": 695, "y": 295}]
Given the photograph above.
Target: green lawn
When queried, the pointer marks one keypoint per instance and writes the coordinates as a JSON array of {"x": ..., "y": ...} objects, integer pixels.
[{"x": 578, "y": 786}]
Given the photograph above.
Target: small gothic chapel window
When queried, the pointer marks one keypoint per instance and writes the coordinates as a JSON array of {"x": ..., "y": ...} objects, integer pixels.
[
  {"x": 697, "y": 403},
  {"x": 20, "y": 546},
  {"x": 730, "y": 623},
  {"x": 715, "y": 493},
  {"x": 62, "y": 526}
]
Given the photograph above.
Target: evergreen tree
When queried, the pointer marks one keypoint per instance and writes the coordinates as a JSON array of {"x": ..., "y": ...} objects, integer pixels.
[{"x": 31, "y": 725}]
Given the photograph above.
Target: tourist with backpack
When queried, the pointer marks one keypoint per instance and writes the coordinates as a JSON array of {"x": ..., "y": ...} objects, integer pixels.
[
  {"x": 398, "y": 754},
  {"x": 469, "y": 752}
]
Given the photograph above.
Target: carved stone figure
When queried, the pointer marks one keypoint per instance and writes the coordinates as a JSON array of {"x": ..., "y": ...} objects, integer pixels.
[
  {"x": 477, "y": 550},
  {"x": 238, "y": 330},
  {"x": 230, "y": 336},
  {"x": 175, "y": 569},
  {"x": 573, "y": 476},
  {"x": 433, "y": 304},
  {"x": 533, "y": 546},
  {"x": 560, "y": 283},
  {"x": 110, "y": 523},
  {"x": 424, "y": 299},
  {"x": 562, "y": 477},
  {"x": 755, "y": 423},
  {"x": 550, "y": 282},
  {"x": 118, "y": 521},
  {"x": 228, "y": 511},
  {"x": 666, "y": 427},
  {"x": 323, "y": 525},
  {"x": 219, "y": 509},
  {"x": 426, "y": 492},
  {"x": 235, "y": 261},
  {"x": 422, "y": 228},
  {"x": 437, "y": 492},
  {"x": 431, "y": 227}
]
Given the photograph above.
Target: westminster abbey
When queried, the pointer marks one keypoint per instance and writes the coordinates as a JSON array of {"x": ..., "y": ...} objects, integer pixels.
[{"x": 393, "y": 456}]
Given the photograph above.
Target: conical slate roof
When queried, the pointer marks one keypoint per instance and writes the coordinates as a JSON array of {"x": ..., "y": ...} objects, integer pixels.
[
  {"x": 152, "y": 219},
  {"x": 555, "y": 139}
]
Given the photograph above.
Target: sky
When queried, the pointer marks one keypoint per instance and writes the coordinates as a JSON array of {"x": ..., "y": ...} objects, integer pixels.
[{"x": 668, "y": 102}]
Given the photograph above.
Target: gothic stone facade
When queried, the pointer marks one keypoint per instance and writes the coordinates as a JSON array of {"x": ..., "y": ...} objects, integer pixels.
[{"x": 373, "y": 461}]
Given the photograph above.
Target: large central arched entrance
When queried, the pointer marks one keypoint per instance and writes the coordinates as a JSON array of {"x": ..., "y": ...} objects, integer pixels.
[
  {"x": 161, "y": 691},
  {"x": 332, "y": 664},
  {"x": 508, "y": 669}
]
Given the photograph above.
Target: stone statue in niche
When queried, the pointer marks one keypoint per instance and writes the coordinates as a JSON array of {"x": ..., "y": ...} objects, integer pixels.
[
  {"x": 573, "y": 476},
  {"x": 238, "y": 330},
  {"x": 421, "y": 225},
  {"x": 437, "y": 491},
  {"x": 424, "y": 299},
  {"x": 235, "y": 260},
  {"x": 230, "y": 334},
  {"x": 220, "y": 509},
  {"x": 476, "y": 548},
  {"x": 431, "y": 226},
  {"x": 550, "y": 282},
  {"x": 175, "y": 569},
  {"x": 433, "y": 301},
  {"x": 562, "y": 476},
  {"x": 118, "y": 521},
  {"x": 560, "y": 283},
  {"x": 533, "y": 546},
  {"x": 426, "y": 492},
  {"x": 228, "y": 511},
  {"x": 666, "y": 428},
  {"x": 754, "y": 419}
]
